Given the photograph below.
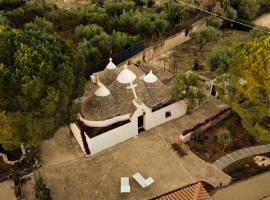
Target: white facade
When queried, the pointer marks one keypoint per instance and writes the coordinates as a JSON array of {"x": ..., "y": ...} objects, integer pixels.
[{"x": 130, "y": 130}]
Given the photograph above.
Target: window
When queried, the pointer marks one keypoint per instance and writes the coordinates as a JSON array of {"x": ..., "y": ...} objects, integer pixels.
[{"x": 168, "y": 114}]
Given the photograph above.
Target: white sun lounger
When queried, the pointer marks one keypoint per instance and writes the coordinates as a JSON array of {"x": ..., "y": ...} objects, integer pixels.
[
  {"x": 142, "y": 181},
  {"x": 125, "y": 187}
]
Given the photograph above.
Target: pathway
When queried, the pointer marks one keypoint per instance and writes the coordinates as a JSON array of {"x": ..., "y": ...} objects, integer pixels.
[
  {"x": 255, "y": 188},
  {"x": 228, "y": 159},
  {"x": 263, "y": 20},
  {"x": 6, "y": 191}
]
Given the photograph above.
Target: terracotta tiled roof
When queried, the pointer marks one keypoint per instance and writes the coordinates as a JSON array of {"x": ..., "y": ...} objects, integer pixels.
[{"x": 192, "y": 192}]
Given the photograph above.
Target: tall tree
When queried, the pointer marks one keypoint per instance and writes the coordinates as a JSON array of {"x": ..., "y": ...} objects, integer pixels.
[
  {"x": 250, "y": 74},
  {"x": 39, "y": 77}
]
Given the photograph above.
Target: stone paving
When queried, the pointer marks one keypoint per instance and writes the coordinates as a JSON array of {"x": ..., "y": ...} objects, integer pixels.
[
  {"x": 228, "y": 159},
  {"x": 6, "y": 191},
  {"x": 254, "y": 188},
  {"x": 70, "y": 176}
]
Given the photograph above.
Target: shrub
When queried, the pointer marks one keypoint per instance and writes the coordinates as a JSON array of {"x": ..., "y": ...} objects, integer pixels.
[
  {"x": 123, "y": 40},
  {"x": 174, "y": 13},
  {"x": 214, "y": 21},
  {"x": 150, "y": 3},
  {"x": 3, "y": 20},
  {"x": 248, "y": 9},
  {"x": 224, "y": 138},
  {"x": 88, "y": 31},
  {"x": 258, "y": 33},
  {"x": 41, "y": 190},
  {"x": 39, "y": 24},
  {"x": 231, "y": 13},
  {"x": 219, "y": 60},
  {"x": 208, "y": 34}
]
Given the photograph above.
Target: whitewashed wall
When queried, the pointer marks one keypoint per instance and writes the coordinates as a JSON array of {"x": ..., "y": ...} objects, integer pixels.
[
  {"x": 77, "y": 134},
  {"x": 158, "y": 117},
  {"x": 112, "y": 137}
]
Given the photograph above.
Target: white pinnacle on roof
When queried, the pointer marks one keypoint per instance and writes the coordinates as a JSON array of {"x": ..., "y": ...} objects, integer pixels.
[
  {"x": 102, "y": 91},
  {"x": 111, "y": 65},
  {"x": 150, "y": 77},
  {"x": 126, "y": 76}
]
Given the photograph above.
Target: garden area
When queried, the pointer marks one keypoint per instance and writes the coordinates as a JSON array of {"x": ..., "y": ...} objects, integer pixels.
[
  {"x": 27, "y": 165},
  {"x": 246, "y": 168},
  {"x": 229, "y": 39},
  {"x": 227, "y": 136}
]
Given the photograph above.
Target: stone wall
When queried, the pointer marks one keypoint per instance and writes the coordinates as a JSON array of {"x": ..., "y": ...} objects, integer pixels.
[
  {"x": 167, "y": 44},
  {"x": 7, "y": 161}
]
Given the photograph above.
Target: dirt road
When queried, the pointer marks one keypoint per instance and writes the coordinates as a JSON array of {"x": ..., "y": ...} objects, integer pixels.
[{"x": 263, "y": 20}]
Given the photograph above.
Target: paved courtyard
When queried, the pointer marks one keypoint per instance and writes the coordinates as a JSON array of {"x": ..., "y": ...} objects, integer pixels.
[
  {"x": 255, "y": 188},
  {"x": 71, "y": 176},
  {"x": 6, "y": 191}
]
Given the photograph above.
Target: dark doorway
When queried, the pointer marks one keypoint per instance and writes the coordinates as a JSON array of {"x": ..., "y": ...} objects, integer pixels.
[
  {"x": 141, "y": 123},
  {"x": 214, "y": 91}
]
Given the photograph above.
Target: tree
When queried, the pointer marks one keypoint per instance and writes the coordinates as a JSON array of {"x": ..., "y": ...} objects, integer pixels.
[
  {"x": 38, "y": 79},
  {"x": 41, "y": 190},
  {"x": 206, "y": 35},
  {"x": 224, "y": 138},
  {"x": 250, "y": 76},
  {"x": 88, "y": 31},
  {"x": 214, "y": 22},
  {"x": 174, "y": 13},
  {"x": 213, "y": 6},
  {"x": 248, "y": 9},
  {"x": 39, "y": 24},
  {"x": 219, "y": 60}
]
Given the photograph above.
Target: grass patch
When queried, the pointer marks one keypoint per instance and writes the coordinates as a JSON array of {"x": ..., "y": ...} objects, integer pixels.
[{"x": 185, "y": 52}]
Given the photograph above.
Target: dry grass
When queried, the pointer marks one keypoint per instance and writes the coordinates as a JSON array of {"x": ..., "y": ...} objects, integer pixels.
[
  {"x": 185, "y": 52},
  {"x": 69, "y": 3}
]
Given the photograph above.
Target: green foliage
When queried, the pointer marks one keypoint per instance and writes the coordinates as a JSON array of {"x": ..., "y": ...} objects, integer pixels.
[
  {"x": 219, "y": 60},
  {"x": 40, "y": 24},
  {"x": 252, "y": 64},
  {"x": 88, "y": 31},
  {"x": 208, "y": 34},
  {"x": 214, "y": 21},
  {"x": 41, "y": 190},
  {"x": 116, "y": 8},
  {"x": 231, "y": 13},
  {"x": 3, "y": 20},
  {"x": 39, "y": 73},
  {"x": 248, "y": 9},
  {"x": 258, "y": 33},
  {"x": 187, "y": 86},
  {"x": 174, "y": 13},
  {"x": 198, "y": 139},
  {"x": 224, "y": 138},
  {"x": 123, "y": 40}
]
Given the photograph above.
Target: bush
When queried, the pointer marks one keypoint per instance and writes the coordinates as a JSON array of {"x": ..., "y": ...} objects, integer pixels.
[
  {"x": 258, "y": 33},
  {"x": 3, "y": 20},
  {"x": 224, "y": 138},
  {"x": 219, "y": 60},
  {"x": 248, "y": 9},
  {"x": 214, "y": 21},
  {"x": 88, "y": 31},
  {"x": 174, "y": 13},
  {"x": 208, "y": 34},
  {"x": 231, "y": 13},
  {"x": 39, "y": 24},
  {"x": 41, "y": 190}
]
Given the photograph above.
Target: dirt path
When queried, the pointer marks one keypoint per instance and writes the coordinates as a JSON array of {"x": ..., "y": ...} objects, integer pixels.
[
  {"x": 255, "y": 188},
  {"x": 263, "y": 20},
  {"x": 68, "y": 3}
]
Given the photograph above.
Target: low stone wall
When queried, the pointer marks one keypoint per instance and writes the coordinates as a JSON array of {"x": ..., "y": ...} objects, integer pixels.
[
  {"x": 211, "y": 123},
  {"x": 167, "y": 44},
  {"x": 7, "y": 161}
]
